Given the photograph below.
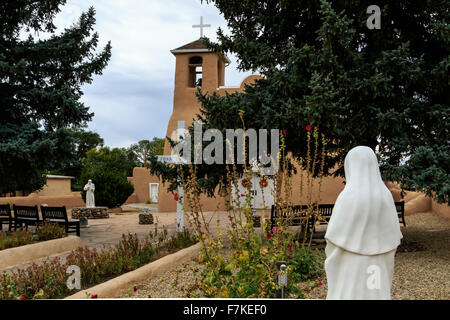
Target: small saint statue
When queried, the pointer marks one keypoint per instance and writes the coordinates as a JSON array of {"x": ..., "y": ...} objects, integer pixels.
[
  {"x": 90, "y": 200},
  {"x": 363, "y": 233}
]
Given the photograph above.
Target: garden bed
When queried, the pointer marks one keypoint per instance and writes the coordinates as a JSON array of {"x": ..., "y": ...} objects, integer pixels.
[
  {"x": 116, "y": 286},
  {"x": 183, "y": 281},
  {"x": 44, "y": 232},
  {"x": 27, "y": 253},
  {"x": 48, "y": 280},
  {"x": 421, "y": 268}
]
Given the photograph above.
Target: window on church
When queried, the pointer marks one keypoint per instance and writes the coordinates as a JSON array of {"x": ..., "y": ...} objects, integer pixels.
[{"x": 195, "y": 72}]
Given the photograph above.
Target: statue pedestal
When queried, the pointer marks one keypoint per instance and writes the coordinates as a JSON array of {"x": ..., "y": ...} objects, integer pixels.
[{"x": 90, "y": 213}]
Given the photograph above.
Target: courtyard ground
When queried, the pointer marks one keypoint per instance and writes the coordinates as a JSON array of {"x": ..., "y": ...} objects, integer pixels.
[
  {"x": 422, "y": 267},
  {"x": 108, "y": 232},
  {"x": 422, "y": 264}
]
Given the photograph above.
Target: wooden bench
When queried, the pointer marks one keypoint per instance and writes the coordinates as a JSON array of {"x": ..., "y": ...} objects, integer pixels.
[
  {"x": 59, "y": 215},
  {"x": 25, "y": 215},
  {"x": 400, "y": 207},
  {"x": 6, "y": 217},
  {"x": 325, "y": 210}
]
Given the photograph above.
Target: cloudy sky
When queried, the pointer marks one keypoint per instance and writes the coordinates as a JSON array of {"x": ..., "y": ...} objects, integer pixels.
[{"x": 133, "y": 98}]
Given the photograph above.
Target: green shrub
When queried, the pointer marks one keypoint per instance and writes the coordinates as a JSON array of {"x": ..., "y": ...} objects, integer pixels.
[
  {"x": 44, "y": 232},
  {"x": 49, "y": 231},
  {"x": 15, "y": 239},
  {"x": 111, "y": 189},
  {"x": 239, "y": 260}
]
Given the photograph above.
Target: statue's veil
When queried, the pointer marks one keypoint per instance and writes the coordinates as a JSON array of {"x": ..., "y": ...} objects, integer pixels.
[{"x": 364, "y": 218}]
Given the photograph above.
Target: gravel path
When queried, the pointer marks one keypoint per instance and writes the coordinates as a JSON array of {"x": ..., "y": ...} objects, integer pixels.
[{"x": 422, "y": 268}]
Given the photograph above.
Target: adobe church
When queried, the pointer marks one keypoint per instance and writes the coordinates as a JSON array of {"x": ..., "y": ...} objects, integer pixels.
[{"x": 197, "y": 66}]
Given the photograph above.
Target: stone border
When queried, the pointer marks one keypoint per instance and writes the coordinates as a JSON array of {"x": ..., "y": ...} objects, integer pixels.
[
  {"x": 90, "y": 213},
  {"x": 25, "y": 254},
  {"x": 114, "y": 287}
]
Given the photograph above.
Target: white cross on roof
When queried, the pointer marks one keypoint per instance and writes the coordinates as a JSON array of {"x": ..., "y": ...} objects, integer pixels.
[{"x": 201, "y": 26}]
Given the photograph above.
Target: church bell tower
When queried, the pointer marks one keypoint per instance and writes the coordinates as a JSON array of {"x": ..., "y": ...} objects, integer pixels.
[{"x": 196, "y": 67}]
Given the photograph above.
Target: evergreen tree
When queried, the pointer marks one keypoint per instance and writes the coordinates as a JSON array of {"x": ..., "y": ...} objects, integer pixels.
[
  {"x": 144, "y": 149},
  {"x": 40, "y": 88},
  {"x": 82, "y": 141},
  {"x": 108, "y": 169},
  {"x": 322, "y": 66}
]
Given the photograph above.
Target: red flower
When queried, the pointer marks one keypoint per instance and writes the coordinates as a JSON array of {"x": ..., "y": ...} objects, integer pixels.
[
  {"x": 242, "y": 195},
  {"x": 149, "y": 296},
  {"x": 268, "y": 236},
  {"x": 274, "y": 229},
  {"x": 308, "y": 128},
  {"x": 175, "y": 196},
  {"x": 224, "y": 246},
  {"x": 94, "y": 296},
  {"x": 319, "y": 282},
  {"x": 21, "y": 298},
  {"x": 290, "y": 248},
  {"x": 135, "y": 288},
  {"x": 284, "y": 132}
]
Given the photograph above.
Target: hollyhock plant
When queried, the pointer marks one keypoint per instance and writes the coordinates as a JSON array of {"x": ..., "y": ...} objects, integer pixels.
[{"x": 248, "y": 270}]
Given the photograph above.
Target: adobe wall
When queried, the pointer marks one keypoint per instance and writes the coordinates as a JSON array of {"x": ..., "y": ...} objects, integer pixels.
[
  {"x": 167, "y": 202},
  {"x": 442, "y": 210},
  {"x": 141, "y": 179},
  {"x": 331, "y": 188},
  {"x": 416, "y": 202},
  {"x": 70, "y": 201},
  {"x": 56, "y": 187},
  {"x": 247, "y": 81}
]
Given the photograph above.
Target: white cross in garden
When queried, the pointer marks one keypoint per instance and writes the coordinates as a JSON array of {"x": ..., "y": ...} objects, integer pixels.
[
  {"x": 201, "y": 26},
  {"x": 177, "y": 160}
]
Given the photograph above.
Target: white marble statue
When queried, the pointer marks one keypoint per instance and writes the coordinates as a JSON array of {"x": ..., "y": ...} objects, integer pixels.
[
  {"x": 363, "y": 233},
  {"x": 90, "y": 199}
]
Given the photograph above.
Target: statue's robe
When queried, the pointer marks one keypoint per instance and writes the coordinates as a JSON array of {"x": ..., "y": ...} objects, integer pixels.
[
  {"x": 90, "y": 199},
  {"x": 363, "y": 233}
]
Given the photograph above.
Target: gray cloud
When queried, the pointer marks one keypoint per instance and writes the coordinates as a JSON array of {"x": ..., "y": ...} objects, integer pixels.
[{"x": 133, "y": 98}]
